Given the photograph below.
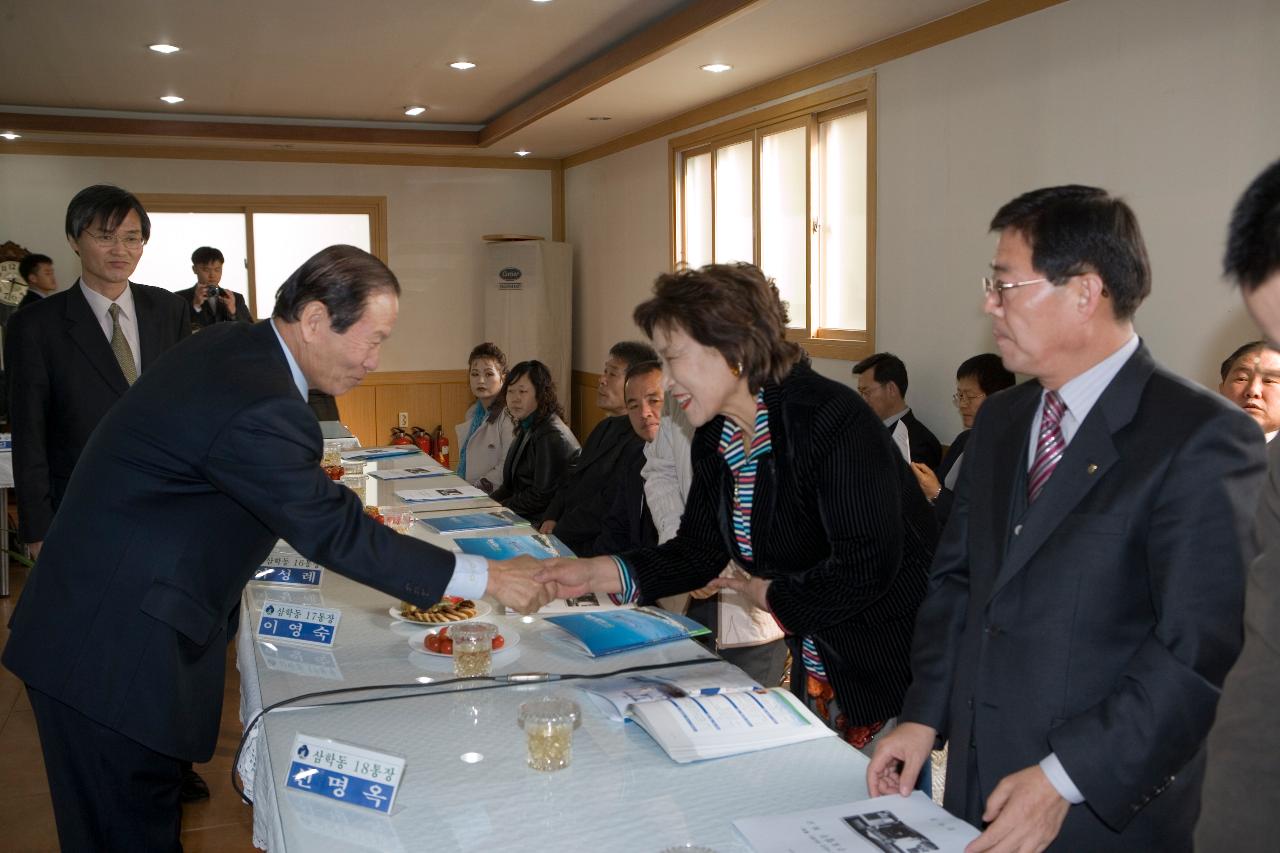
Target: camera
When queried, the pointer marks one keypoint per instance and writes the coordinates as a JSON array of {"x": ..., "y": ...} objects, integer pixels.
[{"x": 212, "y": 290}]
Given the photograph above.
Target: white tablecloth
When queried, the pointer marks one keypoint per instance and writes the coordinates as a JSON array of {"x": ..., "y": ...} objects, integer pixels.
[{"x": 621, "y": 793}]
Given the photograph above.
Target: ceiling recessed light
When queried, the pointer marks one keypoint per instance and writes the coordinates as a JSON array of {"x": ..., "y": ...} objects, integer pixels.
[
  {"x": 10, "y": 135},
  {"x": 172, "y": 99},
  {"x": 717, "y": 67},
  {"x": 414, "y": 111},
  {"x": 462, "y": 65},
  {"x": 164, "y": 48},
  {"x": 599, "y": 118},
  {"x": 523, "y": 153}
]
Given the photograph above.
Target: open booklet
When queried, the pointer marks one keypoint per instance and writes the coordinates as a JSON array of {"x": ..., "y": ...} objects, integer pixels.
[
  {"x": 913, "y": 824},
  {"x": 616, "y": 695},
  {"x": 701, "y": 725}
]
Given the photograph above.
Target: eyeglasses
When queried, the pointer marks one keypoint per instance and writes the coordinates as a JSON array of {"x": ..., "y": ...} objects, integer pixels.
[
  {"x": 995, "y": 288},
  {"x": 132, "y": 242},
  {"x": 966, "y": 399}
]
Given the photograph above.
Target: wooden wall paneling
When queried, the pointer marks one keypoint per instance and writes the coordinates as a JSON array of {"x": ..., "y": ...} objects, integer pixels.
[
  {"x": 585, "y": 414},
  {"x": 420, "y": 400},
  {"x": 356, "y": 411}
]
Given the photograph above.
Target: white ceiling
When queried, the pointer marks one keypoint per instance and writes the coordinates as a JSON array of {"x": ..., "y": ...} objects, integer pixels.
[{"x": 330, "y": 61}]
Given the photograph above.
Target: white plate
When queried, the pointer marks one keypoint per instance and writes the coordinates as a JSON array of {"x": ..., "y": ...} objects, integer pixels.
[
  {"x": 483, "y": 608},
  {"x": 417, "y": 637}
]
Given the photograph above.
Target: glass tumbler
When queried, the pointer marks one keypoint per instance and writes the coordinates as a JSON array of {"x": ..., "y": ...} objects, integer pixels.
[
  {"x": 548, "y": 724},
  {"x": 472, "y": 648}
]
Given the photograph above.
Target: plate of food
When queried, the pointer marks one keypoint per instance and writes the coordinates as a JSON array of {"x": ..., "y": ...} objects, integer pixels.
[
  {"x": 436, "y": 642},
  {"x": 450, "y": 609}
]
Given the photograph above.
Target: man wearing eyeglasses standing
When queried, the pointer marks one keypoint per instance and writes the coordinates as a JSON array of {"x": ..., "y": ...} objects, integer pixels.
[
  {"x": 75, "y": 353},
  {"x": 1085, "y": 602}
]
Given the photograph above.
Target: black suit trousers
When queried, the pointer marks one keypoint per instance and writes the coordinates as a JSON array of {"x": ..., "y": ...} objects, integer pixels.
[{"x": 109, "y": 792}]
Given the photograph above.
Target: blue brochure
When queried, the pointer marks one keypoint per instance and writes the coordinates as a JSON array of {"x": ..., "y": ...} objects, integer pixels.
[
  {"x": 538, "y": 545},
  {"x": 474, "y": 521},
  {"x": 614, "y": 631}
]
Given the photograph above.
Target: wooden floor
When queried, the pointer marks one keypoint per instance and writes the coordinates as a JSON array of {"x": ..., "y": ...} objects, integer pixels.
[{"x": 221, "y": 823}]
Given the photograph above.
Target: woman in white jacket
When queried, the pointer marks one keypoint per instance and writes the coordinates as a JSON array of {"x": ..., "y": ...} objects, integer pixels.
[{"x": 485, "y": 436}]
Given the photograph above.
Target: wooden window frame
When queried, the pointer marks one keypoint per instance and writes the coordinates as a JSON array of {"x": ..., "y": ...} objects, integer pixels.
[
  {"x": 375, "y": 207},
  {"x": 809, "y": 111}
]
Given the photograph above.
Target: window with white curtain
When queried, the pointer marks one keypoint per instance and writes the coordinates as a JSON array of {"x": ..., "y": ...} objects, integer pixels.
[{"x": 790, "y": 192}]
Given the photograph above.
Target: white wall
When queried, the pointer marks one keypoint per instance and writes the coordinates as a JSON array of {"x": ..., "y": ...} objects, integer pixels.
[
  {"x": 436, "y": 217},
  {"x": 1169, "y": 103},
  {"x": 617, "y": 214}
]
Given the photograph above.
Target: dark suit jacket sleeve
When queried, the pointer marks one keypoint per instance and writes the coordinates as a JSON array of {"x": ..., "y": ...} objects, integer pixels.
[
  {"x": 242, "y": 311},
  {"x": 29, "y": 400},
  {"x": 265, "y": 459},
  {"x": 941, "y": 619},
  {"x": 858, "y": 494},
  {"x": 1157, "y": 716}
]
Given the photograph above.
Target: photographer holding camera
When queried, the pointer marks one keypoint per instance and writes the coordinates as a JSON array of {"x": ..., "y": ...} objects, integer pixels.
[{"x": 210, "y": 303}]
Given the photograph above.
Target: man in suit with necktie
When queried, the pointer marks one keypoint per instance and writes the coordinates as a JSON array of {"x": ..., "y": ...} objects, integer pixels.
[
  {"x": 73, "y": 354},
  {"x": 1242, "y": 784},
  {"x": 121, "y": 632},
  {"x": 210, "y": 303},
  {"x": 1085, "y": 603}
]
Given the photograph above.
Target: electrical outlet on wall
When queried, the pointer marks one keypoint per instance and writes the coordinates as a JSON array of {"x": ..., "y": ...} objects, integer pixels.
[{"x": 404, "y": 419}]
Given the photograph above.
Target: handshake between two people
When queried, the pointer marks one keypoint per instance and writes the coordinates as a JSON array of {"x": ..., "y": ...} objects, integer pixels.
[{"x": 525, "y": 584}]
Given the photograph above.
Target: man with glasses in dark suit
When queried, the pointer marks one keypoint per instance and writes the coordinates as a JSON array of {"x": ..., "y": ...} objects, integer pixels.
[{"x": 1085, "y": 602}]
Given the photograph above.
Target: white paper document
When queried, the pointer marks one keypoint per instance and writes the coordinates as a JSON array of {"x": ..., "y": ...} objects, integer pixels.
[
  {"x": 697, "y": 727},
  {"x": 425, "y": 470},
  {"x": 892, "y": 824},
  {"x": 452, "y": 493},
  {"x": 616, "y": 695}
]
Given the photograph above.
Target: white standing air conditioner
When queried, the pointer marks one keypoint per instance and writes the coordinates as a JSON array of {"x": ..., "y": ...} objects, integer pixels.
[{"x": 528, "y": 305}]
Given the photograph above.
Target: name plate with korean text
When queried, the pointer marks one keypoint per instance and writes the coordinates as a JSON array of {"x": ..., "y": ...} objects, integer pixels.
[
  {"x": 298, "y": 623},
  {"x": 283, "y": 556},
  {"x": 346, "y": 773},
  {"x": 289, "y": 576}
]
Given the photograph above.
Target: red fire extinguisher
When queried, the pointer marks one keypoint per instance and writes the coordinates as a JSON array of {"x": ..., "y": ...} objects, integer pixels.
[
  {"x": 422, "y": 438},
  {"x": 442, "y": 447},
  {"x": 399, "y": 436}
]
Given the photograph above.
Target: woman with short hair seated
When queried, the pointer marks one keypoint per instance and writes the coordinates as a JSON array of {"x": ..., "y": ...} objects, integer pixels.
[
  {"x": 976, "y": 379},
  {"x": 486, "y": 434},
  {"x": 543, "y": 447}
]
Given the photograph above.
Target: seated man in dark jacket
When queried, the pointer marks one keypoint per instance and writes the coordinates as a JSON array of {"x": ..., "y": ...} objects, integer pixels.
[
  {"x": 580, "y": 503},
  {"x": 628, "y": 523}
]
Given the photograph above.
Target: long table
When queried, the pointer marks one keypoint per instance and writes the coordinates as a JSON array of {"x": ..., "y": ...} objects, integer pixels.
[{"x": 466, "y": 785}]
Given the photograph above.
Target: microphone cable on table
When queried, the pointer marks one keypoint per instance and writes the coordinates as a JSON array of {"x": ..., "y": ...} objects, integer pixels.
[{"x": 515, "y": 679}]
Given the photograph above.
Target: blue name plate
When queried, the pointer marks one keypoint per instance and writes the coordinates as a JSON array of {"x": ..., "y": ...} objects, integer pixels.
[
  {"x": 348, "y": 774},
  {"x": 298, "y": 623},
  {"x": 292, "y": 577}
]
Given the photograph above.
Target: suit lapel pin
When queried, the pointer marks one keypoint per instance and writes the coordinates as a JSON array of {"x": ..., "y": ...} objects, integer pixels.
[{"x": 1092, "y": 468}]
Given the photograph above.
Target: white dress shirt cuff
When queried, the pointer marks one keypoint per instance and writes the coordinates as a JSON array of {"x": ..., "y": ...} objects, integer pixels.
[
  {"x": 1058, "y": 777},
  {"x": 470, "y": 576}
]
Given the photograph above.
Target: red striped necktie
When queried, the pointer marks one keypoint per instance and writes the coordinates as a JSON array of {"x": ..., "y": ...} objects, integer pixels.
[{"x": 1049, "y": 445}]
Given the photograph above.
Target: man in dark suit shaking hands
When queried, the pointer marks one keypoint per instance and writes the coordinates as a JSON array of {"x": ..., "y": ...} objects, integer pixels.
[
  {"x": 121, "y": 632},
  {"x": 72, "y": 355},
  {"x": 1085, "y": 603}
]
